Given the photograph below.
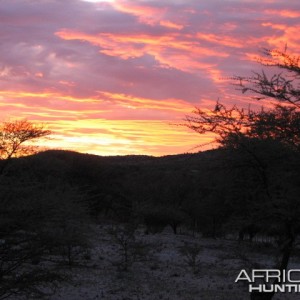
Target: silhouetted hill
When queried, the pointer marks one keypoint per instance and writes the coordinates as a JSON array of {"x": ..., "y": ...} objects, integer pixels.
[
  {"x": 70, "y": 165},
  {"x": 70, "y": 156},
  {"x": 122, "y": 186}
]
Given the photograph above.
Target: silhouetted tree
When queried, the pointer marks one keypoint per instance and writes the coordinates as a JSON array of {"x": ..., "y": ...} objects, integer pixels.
[
  {"x": 283, "y": 86},
  {"x": 264, "y": 151},
  {"x": 15, "y": 137},
  {"x": 37, "y": 216}
]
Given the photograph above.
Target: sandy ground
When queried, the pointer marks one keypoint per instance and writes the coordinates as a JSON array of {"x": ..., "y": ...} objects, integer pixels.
[{"x": 159, "y": 270}]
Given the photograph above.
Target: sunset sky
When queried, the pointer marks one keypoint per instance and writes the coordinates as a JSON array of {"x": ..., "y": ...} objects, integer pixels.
[{"x": 111, "y": 77}]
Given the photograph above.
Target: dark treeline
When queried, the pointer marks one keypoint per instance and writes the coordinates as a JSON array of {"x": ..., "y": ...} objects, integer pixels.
[{"x": 214, "y": 192}]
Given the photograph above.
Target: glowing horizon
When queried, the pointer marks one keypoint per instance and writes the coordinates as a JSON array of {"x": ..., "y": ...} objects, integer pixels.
[{"x": 112, "y": 77}]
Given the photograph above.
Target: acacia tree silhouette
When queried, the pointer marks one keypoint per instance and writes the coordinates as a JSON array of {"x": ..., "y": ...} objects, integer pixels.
[
  {"x": 19, "y": 243},
  {"x": 14, "y": 138},
  {"x": 269, "y": 139}
]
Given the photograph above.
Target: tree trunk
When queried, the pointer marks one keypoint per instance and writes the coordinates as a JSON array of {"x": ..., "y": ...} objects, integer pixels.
[{"x": 286, "y": 254}]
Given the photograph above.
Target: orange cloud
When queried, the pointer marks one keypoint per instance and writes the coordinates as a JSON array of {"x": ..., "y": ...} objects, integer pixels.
[
  {"x": 149, "y": 15},
  {"x": 170, "y": 24},
  {"x": 221, "y": 40},
  {"x": 105, "y": 103},
  {"x": 283, "y": 13},
  {"x": 174, "y": 105},
  {"x": 165, "y": 48},
  {"x": 288, "y": 37},
  {"x": 46, "y": 95},
  {"x": 146, "y": 14},
  {"x": 39, "y": 75},
  {"x": 74, "y": 127},
  {"x": 50, "y": 106},
  {"x": 67, "y": 83}
]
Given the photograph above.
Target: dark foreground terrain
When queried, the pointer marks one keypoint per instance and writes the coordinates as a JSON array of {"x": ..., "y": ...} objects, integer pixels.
[
  {"x": 78, "y": 226},
  {"x": 165, "y": 266}
]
